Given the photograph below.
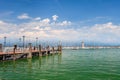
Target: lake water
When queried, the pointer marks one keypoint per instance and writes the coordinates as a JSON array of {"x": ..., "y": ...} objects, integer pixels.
[{"x": 91, "y": 64}]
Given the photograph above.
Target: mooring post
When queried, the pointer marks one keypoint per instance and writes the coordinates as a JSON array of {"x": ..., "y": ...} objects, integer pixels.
[
  {"x": 1, "y": 48},
  {"x": 60, "y": 48},
  {"x": 40, "y": 50},
  {"x": 3, "y": 57},
  {"x": 47, "y": 50},
  {"x": 30, "y": 51},
  {"x": 53, "y": 50},
  {"x": 15, "y": 47}
]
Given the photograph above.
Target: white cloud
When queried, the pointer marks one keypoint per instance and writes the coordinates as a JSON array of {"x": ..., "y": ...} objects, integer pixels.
[
  {"x": 1, "y": 22},
  {"x": 37, "y": 18},
  {"x": 54, "y": 17},
  {"x": 61, "y": 24},
  {"x": 24, "y": 16},
  {"x": 47, "y": 20},
  {"x": 7, "y": 27},
  {"x": 65, "y": 23},
  {"x": 46, "y": 28},
  {"x": 32, "y": 28}
]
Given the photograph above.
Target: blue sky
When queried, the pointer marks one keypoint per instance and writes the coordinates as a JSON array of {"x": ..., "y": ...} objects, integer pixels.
[
  {"x": 50, "y": 19},
  {"x": 73, "y": 10}
]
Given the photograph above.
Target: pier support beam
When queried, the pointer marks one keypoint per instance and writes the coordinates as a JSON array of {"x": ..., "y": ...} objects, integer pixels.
[
  {"x": 3, "y": 57},
  {"x": 30, "y": 51},
  {"x": 14, "y": 49},
  {"x": 59, "y": 49},
  {"x": 47, "y": 50}
]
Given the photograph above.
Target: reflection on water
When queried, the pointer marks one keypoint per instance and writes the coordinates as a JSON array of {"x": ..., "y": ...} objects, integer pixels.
[
  {"x": 40, "y": 61},
  {"x": 14, "y": 65},
  {"x": 59, "y": 58},
  {"x": 10, "y": 70},
  {"x": 99, "y": 64},
  {"x": 29, "y": 65}
]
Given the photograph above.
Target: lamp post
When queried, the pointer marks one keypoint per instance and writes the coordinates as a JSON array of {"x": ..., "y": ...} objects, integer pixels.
[
  {"x": 5, "y": 41},
  {"x": 36, "y": 41},
  {"x": 23, "y": 42},
  {"x": 19, "y": 42},
  {"x": 60, "y": 43}
]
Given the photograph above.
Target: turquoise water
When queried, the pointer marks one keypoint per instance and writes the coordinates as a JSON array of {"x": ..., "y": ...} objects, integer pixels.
[{"x": 93, "y": 64}]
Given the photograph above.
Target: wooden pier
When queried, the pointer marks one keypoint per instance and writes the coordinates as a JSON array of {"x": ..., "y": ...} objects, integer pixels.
[{"x": 29, "y": 52}]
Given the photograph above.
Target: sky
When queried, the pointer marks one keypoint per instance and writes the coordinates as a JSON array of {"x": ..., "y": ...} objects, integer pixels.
[{"x": 62, "y": 20}]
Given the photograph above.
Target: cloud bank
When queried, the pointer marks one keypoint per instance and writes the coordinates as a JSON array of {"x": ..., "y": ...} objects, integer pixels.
[{"x": 62, "y": 30}]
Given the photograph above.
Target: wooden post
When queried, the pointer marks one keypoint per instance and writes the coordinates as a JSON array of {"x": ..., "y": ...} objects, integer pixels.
[
  {"x": 30, "y": 51},
  {"x": 47, "y": 50},
  {"x": 0, "y": 47},
  {"x": 53, "y": 50},
  {"x": 15, "y": 47},
  {"x": 60, "y": 48},
  {"x": 3, "y": 57},
  {"x": 40, "y": 50}
]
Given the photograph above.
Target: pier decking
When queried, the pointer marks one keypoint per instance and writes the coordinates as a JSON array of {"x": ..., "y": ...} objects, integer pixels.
[{"x": 29, "y": 52}]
